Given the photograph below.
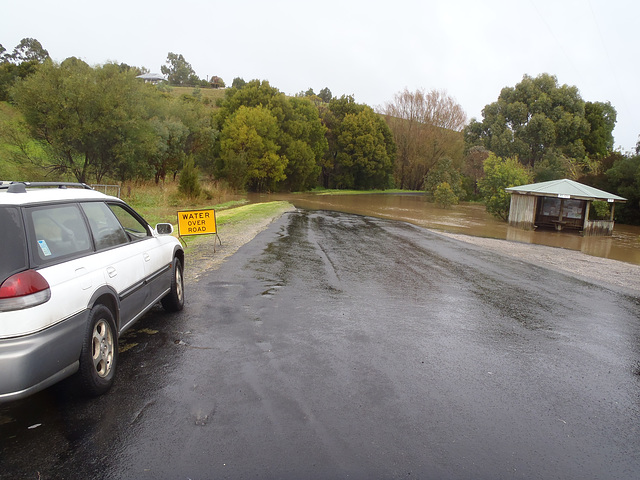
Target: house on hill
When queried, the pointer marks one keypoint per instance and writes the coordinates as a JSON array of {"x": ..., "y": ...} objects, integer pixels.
[
  {"x": 152, "y": 77},
  {"x": 560, "y": 204}
]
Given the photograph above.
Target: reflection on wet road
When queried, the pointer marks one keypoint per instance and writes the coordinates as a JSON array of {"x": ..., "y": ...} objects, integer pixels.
[{"x": 337, "y": 345}]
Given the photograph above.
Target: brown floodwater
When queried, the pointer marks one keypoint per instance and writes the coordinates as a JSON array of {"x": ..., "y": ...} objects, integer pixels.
[{"x": 468, "y": 219}]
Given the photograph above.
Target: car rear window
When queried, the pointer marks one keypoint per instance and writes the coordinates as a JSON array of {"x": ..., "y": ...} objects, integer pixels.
[{"x": 13, "y": 253}]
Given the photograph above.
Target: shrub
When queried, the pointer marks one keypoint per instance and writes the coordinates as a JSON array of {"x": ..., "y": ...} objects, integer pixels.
[
  {"x": 190, "y": 180},
  {"x": 444, "y": 195}
]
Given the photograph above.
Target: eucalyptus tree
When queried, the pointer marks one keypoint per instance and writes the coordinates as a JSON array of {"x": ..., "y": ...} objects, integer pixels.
[
  {"x": 179, "y": 71},
  {"x": 539, "y": 119}
]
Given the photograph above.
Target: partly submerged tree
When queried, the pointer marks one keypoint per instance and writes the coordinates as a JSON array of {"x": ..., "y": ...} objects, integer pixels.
[
  {"x": 444, "y": 196},
  {"x": 444, "y": 172},
  {"x": 500, "y": 174}
]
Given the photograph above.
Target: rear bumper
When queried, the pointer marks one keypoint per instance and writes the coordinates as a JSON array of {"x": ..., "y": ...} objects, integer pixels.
[{"x": 34, "y": 362}]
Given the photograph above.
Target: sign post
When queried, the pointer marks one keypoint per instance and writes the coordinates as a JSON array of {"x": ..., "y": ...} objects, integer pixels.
[{"x": 198, "y": 222}]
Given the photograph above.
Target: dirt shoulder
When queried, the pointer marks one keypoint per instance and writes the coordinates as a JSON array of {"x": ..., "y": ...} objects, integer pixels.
[
  {"x": 207, "y": 253},
  {"x": 611, "y": 273}
]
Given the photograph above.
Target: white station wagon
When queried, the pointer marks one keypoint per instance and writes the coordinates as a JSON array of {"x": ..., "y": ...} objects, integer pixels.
[{"x": 77, "y": 268}]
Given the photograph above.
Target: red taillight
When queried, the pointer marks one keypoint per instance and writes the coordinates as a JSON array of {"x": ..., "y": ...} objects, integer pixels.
[{"x": 22, "y": 290}]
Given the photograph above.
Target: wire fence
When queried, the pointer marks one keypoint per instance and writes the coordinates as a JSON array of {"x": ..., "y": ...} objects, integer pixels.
[{"x": 108, "y": 188}]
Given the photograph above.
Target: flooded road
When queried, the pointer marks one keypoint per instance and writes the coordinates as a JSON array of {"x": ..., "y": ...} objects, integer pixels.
[
  {"x": 468, "y": 219},
  {"x": 345, "y": 346}
]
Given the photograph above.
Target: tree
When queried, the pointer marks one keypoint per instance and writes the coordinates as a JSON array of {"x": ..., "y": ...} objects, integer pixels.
[
  {"x": 474, "y": 169},
  {"x": 325, "y": 95},
  {"x": 352, "y": 131},
  {"x": 303, "y": 143},
  {"x": 24, "y": 60},
  {"x": 300, "y": 136},
  {"x": 238, "y": 83},
  {"x": 444, "y": 172},
  {"x": 539, "y": 117},
  {"x": 624, "y": 179},
  {"x": 444, "y": 196},
  {"x": 364, "y": 157},
  {"x": 189, "y": 185},
  {"x": 167, "y": 156},
  {"x": 28, "y": 50},
  {"x": 602, "y": 120},
  {"x": 498, "y": 175},
  {"x": 425, "y": 128},
  {"x": 87, "y": 120},
  {"x": 10, "y": 73},
  {"x": 249, "y": 138},
  {"x": 179, "y": 71}
]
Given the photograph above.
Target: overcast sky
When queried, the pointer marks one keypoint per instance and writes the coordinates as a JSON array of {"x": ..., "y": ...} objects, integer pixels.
[{"x": 369, "y": 49}]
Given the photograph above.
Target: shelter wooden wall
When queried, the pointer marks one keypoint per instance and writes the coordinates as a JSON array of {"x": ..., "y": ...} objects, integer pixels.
[{"x": 522, "y": 211}]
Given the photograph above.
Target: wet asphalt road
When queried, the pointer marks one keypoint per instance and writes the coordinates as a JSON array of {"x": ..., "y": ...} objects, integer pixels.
[{"x": 340, "y": 346}]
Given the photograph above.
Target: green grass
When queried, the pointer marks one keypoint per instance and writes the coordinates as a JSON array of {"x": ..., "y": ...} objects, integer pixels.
[{"x": 250, "y": 213}]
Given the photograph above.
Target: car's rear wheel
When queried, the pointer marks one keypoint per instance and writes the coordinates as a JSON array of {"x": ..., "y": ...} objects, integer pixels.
[
  {"x": 99, "y": 355},
  {"x": 174, "y": 300}
]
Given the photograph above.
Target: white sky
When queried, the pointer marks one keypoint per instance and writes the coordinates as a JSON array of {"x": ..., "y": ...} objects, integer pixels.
[{"x": 369, "y": 49}]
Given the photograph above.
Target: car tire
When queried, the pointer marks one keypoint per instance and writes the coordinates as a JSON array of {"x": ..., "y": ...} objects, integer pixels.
[
  {"x": 174, "y": 300},
  {"x": 99, "y": 355}
]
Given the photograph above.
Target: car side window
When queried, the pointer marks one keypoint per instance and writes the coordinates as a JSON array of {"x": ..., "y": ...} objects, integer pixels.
[
  {"x": 105, "y": 227},
  {"x": 59, "y": 230},
  {"x": 131, "y": 224}
]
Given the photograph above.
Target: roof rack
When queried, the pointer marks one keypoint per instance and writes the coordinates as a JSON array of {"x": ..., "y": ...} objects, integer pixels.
[{"x": 20, "y": 187}]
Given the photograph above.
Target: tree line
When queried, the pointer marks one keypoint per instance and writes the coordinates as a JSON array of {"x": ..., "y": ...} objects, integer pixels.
[{"x": 102, "y": 123}]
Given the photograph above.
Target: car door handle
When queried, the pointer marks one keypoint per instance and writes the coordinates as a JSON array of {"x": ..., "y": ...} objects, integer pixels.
[
  {"x": 111, "y": 271},
  {"x": 146, "y": 256}
]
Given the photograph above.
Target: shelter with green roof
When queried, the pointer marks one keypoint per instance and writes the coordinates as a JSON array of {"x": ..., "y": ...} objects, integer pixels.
[{"x": 560, "y": 204}]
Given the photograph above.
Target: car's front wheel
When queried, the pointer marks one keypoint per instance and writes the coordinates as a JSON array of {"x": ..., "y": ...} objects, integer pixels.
[
  {"x": 174, "y": 300},
  {"x": 99, "y": 355}
]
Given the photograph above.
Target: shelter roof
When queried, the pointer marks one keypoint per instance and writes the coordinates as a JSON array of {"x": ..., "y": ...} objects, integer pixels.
[
  {"x": 565, "y": 188},
  {"x": 152, "y": 76}
]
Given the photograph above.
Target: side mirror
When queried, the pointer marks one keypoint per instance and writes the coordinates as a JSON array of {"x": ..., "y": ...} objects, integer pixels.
[{"x": 164, "y": 229}]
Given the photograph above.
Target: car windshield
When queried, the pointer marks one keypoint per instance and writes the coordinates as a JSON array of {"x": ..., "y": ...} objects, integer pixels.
[{"x": 13, "y": 254}]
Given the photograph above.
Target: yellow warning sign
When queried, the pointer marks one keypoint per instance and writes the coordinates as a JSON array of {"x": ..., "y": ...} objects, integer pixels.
[{"x": 197, "y": 222}]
